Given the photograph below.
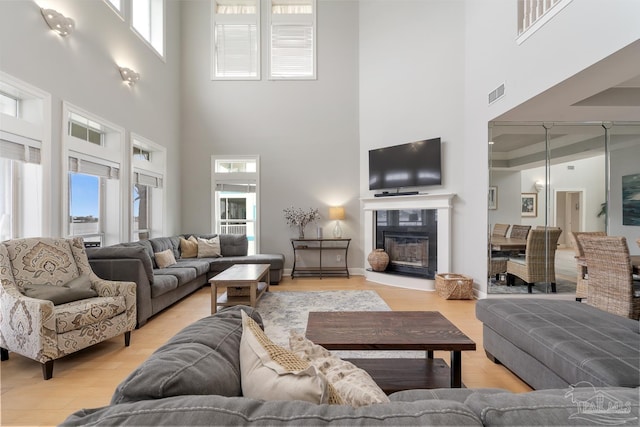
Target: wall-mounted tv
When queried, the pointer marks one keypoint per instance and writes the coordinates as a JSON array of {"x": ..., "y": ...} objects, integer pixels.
[{"x": 414, "y": 164}]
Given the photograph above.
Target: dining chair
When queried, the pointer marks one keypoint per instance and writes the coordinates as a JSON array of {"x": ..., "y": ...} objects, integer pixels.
[
  {"x": 500, "y": 230},
  {"x": 519, "y": 231},
  {"x": 611, "y": 286},
  {"x": 538, "y": 263},
  {"x": 582, "y": 279}
]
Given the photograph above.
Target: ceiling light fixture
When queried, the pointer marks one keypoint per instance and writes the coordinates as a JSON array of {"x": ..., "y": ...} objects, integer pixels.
[
  {"x": 58, "y": 22},
  {"x": 129, "y": 76}
]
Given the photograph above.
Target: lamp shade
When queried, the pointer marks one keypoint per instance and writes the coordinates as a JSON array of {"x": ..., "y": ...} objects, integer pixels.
[{"x": 336, "y": 212}]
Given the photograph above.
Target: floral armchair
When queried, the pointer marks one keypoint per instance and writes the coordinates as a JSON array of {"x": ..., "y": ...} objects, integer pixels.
[{"x": 35, "y": 268}]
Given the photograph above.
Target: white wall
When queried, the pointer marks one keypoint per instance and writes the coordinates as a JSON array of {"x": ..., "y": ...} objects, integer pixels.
[
  {"x": 305, "y": 132},
  {"x": 411, "y": 88},
  {"x": 624, "y": 162},
  {"x": 83, "y": 70}
]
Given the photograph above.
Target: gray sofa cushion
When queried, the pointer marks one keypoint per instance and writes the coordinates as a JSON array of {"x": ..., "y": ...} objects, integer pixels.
[
  {"x": 200, "y": 359},
  {"x": 221, "y": 264},
  {"x": 201, "y": 265},
  {"x": 160, "y": 244},
  {"x": 576, "y": 341},
  {"x": 163, "y": 284},
  {"x": 183, "y": 274},
  {"x": 230, "y": 244},
  {"x": 228, "y": 411},
  {"x": 455, "y": 394},
  {"x": 572, "y": 406},
  {"x": 142, "y": 243}
]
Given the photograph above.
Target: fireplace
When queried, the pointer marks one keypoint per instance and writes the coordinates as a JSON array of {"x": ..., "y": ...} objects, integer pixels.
[
  {"x": 409, "y": 237},
  {"x": 421, "y": 215}
]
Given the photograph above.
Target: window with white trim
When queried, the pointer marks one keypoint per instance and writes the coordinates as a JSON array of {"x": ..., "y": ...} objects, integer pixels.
[
  {"x": 236, "y": 40},
  {"x": 147, "y": 19},
  {"x": 93, "y": 208},
  {"x": 235, "y": 195},
  {"x": 116, "y": 5},
  {"x": 22, "y": 124},
  {"x": 148, "y": 160},
  {"x": 292, "y": 39}
]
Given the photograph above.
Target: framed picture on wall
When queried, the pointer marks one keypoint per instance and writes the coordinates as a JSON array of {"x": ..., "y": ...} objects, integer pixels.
[
  {"x": 493, "y": 198},
  {"x": 529, "y": 204}
]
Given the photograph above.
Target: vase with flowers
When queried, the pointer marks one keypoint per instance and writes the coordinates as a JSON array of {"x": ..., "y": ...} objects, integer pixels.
[{"x": 297, "y": 217}]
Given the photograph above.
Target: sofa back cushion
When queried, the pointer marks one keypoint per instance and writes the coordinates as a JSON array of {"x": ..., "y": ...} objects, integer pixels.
[
  {"x": 160, "y": 244},
  {"x": 146, "y": 244},
  {"x": 41, "y": 261},
  {"x": 230, "y": 244},
  {"x": 200, "y": 359}
]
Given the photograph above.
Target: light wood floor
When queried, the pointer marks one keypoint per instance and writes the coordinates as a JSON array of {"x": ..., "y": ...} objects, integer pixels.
[{"x": 88, "y": 378}]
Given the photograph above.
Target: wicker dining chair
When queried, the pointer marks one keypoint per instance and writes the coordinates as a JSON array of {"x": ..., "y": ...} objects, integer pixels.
[
  {"x": 582, "y": 279},
  {"x": 611, "y": 286},
  {"x": 538, "y": 263},
  {"x": 500, "y": 230},
  {"x": 520, "y": 231}
]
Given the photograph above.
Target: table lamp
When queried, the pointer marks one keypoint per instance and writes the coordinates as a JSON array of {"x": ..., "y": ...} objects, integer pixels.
[{"x": 337, "y": 213}]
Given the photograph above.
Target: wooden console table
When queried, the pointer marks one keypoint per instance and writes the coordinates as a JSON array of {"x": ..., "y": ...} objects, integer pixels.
[{"x": 319, "y": 246}]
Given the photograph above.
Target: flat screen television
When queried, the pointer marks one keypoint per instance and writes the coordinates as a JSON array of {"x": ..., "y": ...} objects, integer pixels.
[{"x": 414, "y": 164}]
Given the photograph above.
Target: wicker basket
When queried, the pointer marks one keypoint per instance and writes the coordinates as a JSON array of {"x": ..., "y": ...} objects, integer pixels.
[
  {"x": 240, "y": 291},
  {"x": 454, "y": 286}
]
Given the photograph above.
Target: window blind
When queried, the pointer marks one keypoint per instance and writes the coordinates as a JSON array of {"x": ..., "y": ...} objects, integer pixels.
[
  {"x": 236, "y": 52},
  {"x": 292, "y": 50},
  {"x": 88, "y": 167},
  {"x": 236, "y": 187},
  {"x": 141, "y": 178},
  {"x": 16, "y": 147}
]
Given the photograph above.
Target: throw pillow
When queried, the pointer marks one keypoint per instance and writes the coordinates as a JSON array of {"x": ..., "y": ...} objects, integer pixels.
[
  {"x": 209, "y": 248},
  {"x": 77, "y": 289},
  {"x": 188, "y": 247},
  {"x": 354, "y": 385},
  {"x": 270, "y": 372},
  {"x": 165, "y": 258}
]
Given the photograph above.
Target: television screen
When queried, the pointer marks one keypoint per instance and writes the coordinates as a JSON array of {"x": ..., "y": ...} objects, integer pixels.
[{"x": 407, "y": 165}]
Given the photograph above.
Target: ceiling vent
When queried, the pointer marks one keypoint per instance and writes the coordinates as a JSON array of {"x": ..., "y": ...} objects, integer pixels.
[{"x": 496, "y": 94}]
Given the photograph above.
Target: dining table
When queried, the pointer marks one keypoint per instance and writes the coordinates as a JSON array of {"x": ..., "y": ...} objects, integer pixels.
[{"x": 500, "y": 243}]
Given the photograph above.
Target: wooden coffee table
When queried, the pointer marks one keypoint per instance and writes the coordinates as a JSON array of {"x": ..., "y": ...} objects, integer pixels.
[
  {"x": 395, "y": 330},
  {"x": 249, "y": 280}
]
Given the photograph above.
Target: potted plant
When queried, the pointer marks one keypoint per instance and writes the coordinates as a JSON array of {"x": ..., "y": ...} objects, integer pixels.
[{"x": 300, "y": 218}]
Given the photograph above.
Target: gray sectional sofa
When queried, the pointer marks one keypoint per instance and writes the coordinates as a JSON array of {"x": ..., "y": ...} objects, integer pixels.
[
  {"x": 158, "y": 288},
  {"x": 553, "y": 343},
  {"x": 194, "y": 379}
]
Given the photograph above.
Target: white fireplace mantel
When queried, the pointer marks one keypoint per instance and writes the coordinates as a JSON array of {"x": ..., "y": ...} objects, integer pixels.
[{"x": 442, "y": 202}]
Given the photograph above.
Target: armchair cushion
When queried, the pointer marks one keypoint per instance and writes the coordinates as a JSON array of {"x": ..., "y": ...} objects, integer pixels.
[
  {"x": 77, "y": 289},
  {"x": 77, "y": 314}
]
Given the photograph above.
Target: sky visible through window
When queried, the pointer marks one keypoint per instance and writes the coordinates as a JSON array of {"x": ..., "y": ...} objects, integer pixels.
[{"x": 85, "y": 195}]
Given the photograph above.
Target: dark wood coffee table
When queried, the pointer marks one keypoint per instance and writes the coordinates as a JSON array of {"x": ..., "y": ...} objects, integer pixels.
[{"x": 395, "y": 330}]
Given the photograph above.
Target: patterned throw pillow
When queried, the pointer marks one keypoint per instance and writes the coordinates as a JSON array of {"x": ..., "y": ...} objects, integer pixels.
[
  {"x": 165, "y": 258},
  {"x": 270, "y": 372},
  {"x": 209, "y": 248},
  {"x": 188, "y": 247},
  {"x": 354, "y": 385}
]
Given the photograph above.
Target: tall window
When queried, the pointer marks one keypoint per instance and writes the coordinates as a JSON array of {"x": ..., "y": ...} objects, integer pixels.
[
  {"x": 148, "y": 161},
  {"x": 147, "y": 18},
  {"x": 116, "y": 5},
  {"x": 93, "y": 150},
  {"x": 236, "y": 40},
  {"x": 22, "y": 130},
  {"x": 235, "y": 187},
  {"x": 292, "y": 43}
]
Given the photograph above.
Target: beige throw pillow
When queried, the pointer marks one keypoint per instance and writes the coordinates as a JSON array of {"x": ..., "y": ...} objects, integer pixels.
[
  {"x": 270, "y": 372},
  {"x": 165, "y": 258},
  {"x": 209, "y": 248},
  {"x": 354, "y": 385},
  {"x": 188, "y": 247}
]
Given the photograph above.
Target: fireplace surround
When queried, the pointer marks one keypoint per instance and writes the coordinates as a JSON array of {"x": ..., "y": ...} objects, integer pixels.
[{"x": 434, "y": 225}]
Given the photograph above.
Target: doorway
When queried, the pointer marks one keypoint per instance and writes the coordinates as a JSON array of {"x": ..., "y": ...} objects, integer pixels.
[{"x": 568, "y": 214}]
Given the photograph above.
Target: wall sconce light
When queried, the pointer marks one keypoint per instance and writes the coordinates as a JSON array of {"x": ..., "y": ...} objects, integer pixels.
[
  {"x": 129, "y": 76},
  {"x": 337, "y": 213},
  {"x": 539, "y": 186},
  {"x": 58, "y": 22}
]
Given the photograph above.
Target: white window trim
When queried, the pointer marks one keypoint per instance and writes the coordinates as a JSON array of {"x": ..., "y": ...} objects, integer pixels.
[
  {"x": 294, "y": 19},
  {"x": 239, "y": 176},
  {"x": 42, "y": 132},
  {"x": 213, "y": 43},
  {"x": 156, "y": 167},
  {"x": 120, "y": 13}
]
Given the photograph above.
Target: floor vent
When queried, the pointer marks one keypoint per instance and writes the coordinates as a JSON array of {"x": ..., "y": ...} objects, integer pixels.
[{"x": 496, "y": 94}]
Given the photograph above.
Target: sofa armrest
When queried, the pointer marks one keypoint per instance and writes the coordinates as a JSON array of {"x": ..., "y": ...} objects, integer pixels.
[
  {"x": 28, "y": 324},
  {"x": 128, "y": 270},
  {"x": 111, "y": 288},
  {"x": 116, "y": 252}
]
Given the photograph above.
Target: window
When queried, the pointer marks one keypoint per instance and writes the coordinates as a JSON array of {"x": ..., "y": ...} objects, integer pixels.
[
  {"x": 147, "y": 18},
  {"x": 292, "y": 39},
  {"x": 115, "y": 5},
  {"x": 22, "y": 131},
  {"x": 148, "y": 161},
  {"x": 93, "y": 151},
  {"x": 236, "y": 40},
  {"x": 235, "y": 188}
]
